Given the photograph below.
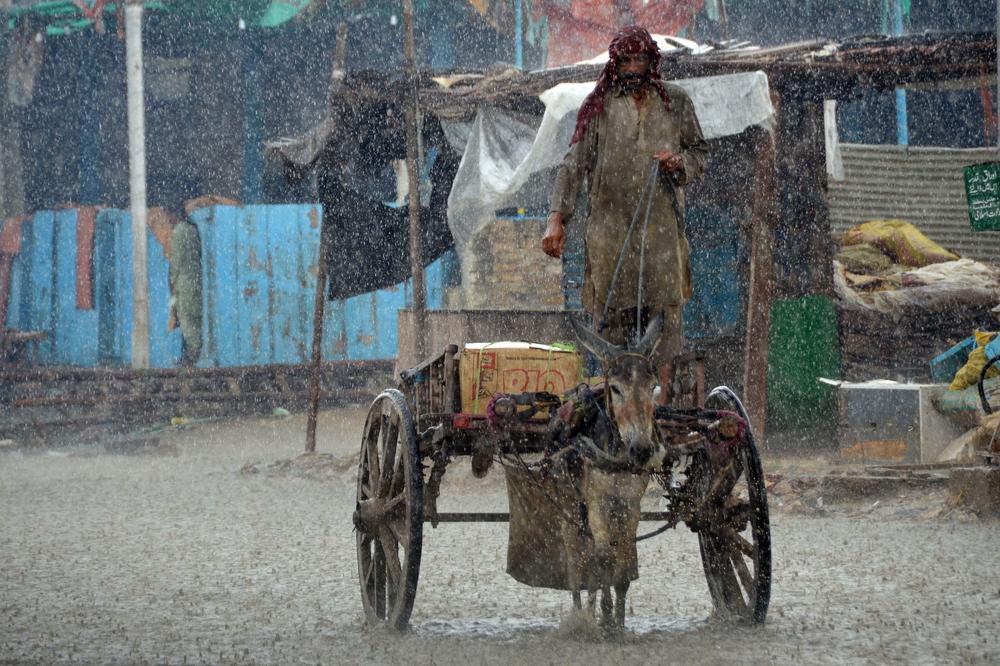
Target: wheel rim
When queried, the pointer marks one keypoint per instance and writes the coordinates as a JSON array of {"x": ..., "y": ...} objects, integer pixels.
[
  {"x": 388, "y": 515},
  {"x": 735, "y": 539}
]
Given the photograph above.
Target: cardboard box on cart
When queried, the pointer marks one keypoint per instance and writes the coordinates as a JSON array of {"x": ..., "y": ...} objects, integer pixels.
[{"x": 514, "y": 367}]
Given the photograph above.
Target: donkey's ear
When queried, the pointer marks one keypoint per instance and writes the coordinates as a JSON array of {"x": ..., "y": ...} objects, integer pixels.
[
  {"x": 651, "y": 338},
  {"x": 592, "y": 341}
]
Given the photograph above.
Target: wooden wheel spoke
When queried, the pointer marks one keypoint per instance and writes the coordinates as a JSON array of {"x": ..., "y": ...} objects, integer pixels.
[
  {"x": 390, "y": 548},
  {"x": 393, "y": 505},
  {"x": 738, "y": 515},
  {"x": 369, "y": 573},
  {"x": 398, "y": 478},
  {"x": 379, "y": 570},
  {"x": 374, "y": 469},
  {"x": 389, "y": 460},
  {"x": 397, "y": 527},
  {"x": 743, "y": 572},
  {"x": 740, "y": 543}
]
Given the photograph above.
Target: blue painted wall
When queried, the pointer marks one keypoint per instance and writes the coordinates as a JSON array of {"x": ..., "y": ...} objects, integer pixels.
[
  {"x": 718, "y": 292},
  {"x": 259, "y": 268},
  {"x": 43, "y": 293}
]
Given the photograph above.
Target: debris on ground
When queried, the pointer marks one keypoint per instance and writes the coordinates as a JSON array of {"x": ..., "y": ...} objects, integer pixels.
[
  {"x": 915, "y": 492},
  {"x": 315, "y": 466}
]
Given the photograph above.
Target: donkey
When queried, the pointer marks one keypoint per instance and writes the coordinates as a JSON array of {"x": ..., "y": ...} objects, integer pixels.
[{"x": 611, "y": 482}]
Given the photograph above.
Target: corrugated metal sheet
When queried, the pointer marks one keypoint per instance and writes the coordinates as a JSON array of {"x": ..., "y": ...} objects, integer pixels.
[
  {"x": 43, "y": 293},
  {"x": 259, "y": 268},
  {"x": 74, "y": 338},
  {"x": 113, "y": 264},
  {"x": 924, "y": 186}
]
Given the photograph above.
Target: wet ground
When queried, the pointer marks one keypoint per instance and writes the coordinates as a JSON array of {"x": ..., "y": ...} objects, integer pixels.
[{"x": 192, "y": 545}]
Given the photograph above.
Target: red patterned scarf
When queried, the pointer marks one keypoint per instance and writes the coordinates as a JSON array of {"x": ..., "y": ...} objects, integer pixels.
[{"x": 629, "y": 40}]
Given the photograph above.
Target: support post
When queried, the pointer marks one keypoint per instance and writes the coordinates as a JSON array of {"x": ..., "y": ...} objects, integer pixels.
[
  {"x": 319, "y": 304},
  {"x": 412, "y": 167},
  {"x": 518, "y": 34},
  {"x": 137, "y": 183},
  {"x": 902, "y": 116},
  {"x": 760, "y": 296},
  {"x": 253, "y": 118}
]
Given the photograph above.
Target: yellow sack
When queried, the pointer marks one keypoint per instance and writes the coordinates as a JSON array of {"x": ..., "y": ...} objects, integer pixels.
[
  {"x": 864, "y": 259},
  {"x": 968, "y": 374},
  {"x": 902, "y": 241}
]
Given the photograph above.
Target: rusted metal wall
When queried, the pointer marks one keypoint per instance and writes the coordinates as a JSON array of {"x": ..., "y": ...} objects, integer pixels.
[
  {"x": 924, "y": 186},
  {"x": 43, "y": 293},
  {"x": 259, "y": 271}
]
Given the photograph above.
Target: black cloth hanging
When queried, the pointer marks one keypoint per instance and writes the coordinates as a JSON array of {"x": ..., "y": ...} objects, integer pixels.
[{"x": 368, "y": 241}]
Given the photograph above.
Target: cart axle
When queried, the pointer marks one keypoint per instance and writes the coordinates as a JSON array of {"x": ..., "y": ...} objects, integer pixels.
[{"x": 505, "y": 517}]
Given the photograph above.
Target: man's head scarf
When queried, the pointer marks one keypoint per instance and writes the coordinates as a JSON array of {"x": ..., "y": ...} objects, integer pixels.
[{"x": 630, "y": 40}]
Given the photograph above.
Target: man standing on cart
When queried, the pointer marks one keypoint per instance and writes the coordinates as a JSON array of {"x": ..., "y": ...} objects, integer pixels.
[{"x": 629, "y": 122}]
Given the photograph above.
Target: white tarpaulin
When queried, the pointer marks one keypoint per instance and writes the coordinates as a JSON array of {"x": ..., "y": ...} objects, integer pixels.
[{"x": 506, "y": 153}]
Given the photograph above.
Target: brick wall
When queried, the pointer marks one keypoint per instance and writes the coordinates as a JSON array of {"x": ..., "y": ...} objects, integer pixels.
[{"x": 504, "y": 268}]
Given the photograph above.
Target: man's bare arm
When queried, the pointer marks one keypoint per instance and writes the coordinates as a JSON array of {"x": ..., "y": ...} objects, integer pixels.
[{"x": 569, "y": 180}]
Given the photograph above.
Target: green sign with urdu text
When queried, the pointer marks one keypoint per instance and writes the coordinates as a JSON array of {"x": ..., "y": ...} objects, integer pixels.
[{"x": 982, "y": 189}]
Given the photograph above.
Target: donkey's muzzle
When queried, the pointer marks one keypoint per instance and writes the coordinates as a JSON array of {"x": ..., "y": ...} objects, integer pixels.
[{"x": 644, "y": 453}]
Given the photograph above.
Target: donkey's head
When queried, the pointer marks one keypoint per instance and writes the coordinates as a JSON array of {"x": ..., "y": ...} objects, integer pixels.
[{"x": 630, "y": 378}]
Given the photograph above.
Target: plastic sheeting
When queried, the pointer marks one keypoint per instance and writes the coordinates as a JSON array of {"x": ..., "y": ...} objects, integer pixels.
[{"x": 512, "y": 158}]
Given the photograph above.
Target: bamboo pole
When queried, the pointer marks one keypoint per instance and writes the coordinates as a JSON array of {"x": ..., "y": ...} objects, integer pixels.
[
  {"x": 412, "y": 168},
  {"x": 319, "y": 304}
]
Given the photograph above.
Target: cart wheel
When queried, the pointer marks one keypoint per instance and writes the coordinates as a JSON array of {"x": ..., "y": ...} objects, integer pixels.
[
  {"x": 389, "y": 514},
  {"x": 736, "y": 543}
]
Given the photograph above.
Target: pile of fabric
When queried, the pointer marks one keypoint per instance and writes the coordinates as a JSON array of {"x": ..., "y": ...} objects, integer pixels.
[
  {"x": 902, "y": 298},
  {"x": 889, "y": 266}
]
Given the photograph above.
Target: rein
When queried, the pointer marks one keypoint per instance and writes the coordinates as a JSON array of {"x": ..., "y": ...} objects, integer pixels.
[{"x": 646, "y": 198}]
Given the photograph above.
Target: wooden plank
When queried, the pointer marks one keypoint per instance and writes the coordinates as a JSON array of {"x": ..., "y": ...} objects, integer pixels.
[{"x": 760, "y": 293}]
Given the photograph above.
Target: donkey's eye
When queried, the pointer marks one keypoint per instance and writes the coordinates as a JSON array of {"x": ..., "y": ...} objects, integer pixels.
[{"x": 617, "y": 391}]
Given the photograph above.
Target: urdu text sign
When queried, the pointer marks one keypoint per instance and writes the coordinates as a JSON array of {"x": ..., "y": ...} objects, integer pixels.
[{"x": 982, "y": 189}]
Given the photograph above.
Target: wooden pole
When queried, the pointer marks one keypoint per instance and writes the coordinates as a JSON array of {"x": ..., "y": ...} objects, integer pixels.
[
  {"x": 760, "y": 297},
  {"x": 319, "y": 304},
  {"x": 412, "y": 168},
  {"x": 137, "y": 183},
  {"x": 316, "y": 362}
]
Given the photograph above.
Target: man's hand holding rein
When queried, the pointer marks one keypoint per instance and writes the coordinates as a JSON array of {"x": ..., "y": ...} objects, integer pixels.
[
  {"x": 554, "y": 240},
  {"x": 669, "y": 162}
]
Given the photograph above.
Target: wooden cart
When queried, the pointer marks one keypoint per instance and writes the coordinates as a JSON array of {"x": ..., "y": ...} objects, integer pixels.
[{"x": 415, "y": 431}]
